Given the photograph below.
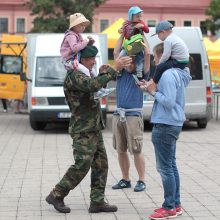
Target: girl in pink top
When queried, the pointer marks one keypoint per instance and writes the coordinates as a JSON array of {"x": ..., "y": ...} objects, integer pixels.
[{"x": 73, "y": 42}]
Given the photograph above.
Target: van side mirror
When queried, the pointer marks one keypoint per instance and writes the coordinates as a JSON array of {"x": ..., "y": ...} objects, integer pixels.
[{"x": 23, "y": 77}]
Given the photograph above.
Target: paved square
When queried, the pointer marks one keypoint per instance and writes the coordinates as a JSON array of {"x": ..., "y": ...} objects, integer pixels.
[{"x": 32, "y": 162}]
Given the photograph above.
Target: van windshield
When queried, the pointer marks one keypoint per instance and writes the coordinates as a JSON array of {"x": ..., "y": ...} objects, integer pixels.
[{"x": 49, "y": 72}]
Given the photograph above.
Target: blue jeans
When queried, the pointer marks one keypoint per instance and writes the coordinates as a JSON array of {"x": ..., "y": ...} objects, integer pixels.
[
  {"x": 164, "y": 138},
  {"x": 162, "y": 67},
  {"x": 139, "y": 61}
]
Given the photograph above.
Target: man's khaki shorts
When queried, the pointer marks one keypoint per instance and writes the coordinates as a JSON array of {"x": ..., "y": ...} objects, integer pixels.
[{"x": 128, "y": 135}]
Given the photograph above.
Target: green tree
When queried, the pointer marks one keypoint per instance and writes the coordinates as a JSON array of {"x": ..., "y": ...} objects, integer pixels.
[
  {"x": 52, "y": 16},
  {"x": 213, "y": 11}
]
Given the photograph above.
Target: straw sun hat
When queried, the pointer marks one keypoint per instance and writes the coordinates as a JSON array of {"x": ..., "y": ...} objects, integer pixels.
[{"x": 78, "y": 18}]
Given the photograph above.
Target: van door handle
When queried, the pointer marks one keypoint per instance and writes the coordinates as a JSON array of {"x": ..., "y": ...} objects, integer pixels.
[{"x": 206, "y": 65}]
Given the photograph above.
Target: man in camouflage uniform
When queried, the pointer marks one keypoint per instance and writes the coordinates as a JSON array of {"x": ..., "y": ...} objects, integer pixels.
[{"x": 85, "y": 129}]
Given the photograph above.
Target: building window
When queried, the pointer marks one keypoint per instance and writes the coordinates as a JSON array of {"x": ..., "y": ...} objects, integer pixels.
[
  {"x": 172, "y": 22},
  {"x": 3, "y": 25},
  {"x": 151, "y": 23},
  {"x": 20, "y": 25},
  {"x": 187, "y": 23},
  {"x": 203, "y": 27},
  {"x": 103, "y": 24}
]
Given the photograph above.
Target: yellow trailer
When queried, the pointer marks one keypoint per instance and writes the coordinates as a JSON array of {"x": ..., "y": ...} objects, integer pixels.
[
  {"x": 213, "y": 51},
  {"x": 13, "y": 63}
]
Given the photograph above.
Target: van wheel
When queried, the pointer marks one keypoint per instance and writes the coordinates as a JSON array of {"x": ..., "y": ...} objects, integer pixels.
[
  {"x": 202, "y": 123},
  {"x": 37, "y": 125}
]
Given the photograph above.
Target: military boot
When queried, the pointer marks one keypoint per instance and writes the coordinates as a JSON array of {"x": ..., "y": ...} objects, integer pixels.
[
  {"x": 58, "y": 203},
  {"x": 103, "y": 207}
]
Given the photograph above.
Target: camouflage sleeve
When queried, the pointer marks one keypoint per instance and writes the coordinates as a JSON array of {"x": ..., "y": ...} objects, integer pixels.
[{"x": 84, "y": 83}]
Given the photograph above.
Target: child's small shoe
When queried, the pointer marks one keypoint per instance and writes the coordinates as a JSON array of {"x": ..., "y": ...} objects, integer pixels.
[
  {"x": 71, "y": 64},
  {"x": 139, "y": 74},
  {"x": 103, "y": 92}
]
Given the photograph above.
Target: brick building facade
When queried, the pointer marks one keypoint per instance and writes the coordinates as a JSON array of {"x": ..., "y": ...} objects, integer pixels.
[
  {"x": 180, "y": 13},
  {"x": 15, "y": 16}
]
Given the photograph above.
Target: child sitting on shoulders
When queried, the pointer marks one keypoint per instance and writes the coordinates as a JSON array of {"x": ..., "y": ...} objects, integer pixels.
[
  {"x": 73, "y": 43},
  {"x": 175, "y": 53},
  {"x": 134, "y": 25}
]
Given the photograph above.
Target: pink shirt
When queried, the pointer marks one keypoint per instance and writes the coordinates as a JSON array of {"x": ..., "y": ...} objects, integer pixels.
[{"x": 71, "y": 45}]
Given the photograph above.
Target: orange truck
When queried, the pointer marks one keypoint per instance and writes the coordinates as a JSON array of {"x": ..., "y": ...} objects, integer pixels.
[{"x": 13, "y": 64}]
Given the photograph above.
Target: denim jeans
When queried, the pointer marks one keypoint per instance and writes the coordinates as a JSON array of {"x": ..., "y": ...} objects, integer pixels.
[
  {"x": 164, "y": 138},
  {"x": 162, "y": 67},
  {"x": 139, "y": 61}
]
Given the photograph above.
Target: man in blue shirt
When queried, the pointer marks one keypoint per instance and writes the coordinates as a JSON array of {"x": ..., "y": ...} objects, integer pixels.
[
  {"x": 127, "y": 122},
  {"x": 167, "y": 117}
]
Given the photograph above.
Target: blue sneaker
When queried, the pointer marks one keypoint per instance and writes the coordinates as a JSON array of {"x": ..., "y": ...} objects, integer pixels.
[
  {"x": 122, "y": 184},
  {"x": 140, "y": 186}
]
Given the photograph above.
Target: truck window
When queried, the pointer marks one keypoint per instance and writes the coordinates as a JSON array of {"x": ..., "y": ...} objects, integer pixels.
[
  {"x": 11, "y": 64},
  {"x": 49, "y": 72},
  {"x": 195, "y": 66}
]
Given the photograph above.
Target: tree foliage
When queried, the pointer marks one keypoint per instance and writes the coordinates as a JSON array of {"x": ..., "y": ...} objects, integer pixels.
[
  {"x": 52, "y": 16},
  {"x": 213, "y": 11}
]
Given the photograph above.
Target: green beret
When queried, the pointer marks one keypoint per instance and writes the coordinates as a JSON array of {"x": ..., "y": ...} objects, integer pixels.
[{"x": 89, "y": 51}]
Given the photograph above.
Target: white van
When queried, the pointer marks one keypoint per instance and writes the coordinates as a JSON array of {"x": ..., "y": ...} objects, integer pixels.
[
  {"x": 46, "y": 100},
  {"x": 199, "y": 93}
]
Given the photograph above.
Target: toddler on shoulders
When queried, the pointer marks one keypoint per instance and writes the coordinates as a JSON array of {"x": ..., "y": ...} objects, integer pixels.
[
  {"x": 131, "y": 27},
  {"x": 73, "y": 43}
]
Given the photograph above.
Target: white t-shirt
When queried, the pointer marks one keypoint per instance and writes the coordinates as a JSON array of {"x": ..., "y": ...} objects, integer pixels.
[{"x": 175, "y": 48}]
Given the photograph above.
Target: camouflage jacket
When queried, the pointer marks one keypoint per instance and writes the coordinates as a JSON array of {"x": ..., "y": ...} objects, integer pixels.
[{"x": 79, "y": 91}]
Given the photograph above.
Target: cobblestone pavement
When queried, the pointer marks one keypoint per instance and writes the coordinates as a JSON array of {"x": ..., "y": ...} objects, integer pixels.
[{"x": 32, "y": 162}]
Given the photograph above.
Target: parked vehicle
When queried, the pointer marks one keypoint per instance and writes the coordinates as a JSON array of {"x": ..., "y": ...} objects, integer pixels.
[
  {"x": 46, "y": 100},
  {"x": 13, "y": 62},
  {"x": 199, "y": 92}
]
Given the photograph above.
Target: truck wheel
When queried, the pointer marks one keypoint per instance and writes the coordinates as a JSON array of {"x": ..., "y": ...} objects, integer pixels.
[
  {"x": 37, "y": 125},
  {"x": 202, "y": 123}
]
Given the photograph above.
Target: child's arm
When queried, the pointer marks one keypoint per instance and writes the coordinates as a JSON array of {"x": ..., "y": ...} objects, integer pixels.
[
  {"x": 76, "y": 46},
  {"x": 118, "y": 46},
  {"x": 144, "y": 28},
  {"x": 120, "y": 30}
]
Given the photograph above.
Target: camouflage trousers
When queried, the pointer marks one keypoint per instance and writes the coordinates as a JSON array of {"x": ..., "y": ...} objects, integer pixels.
[{"x": 89, "y": 152}]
